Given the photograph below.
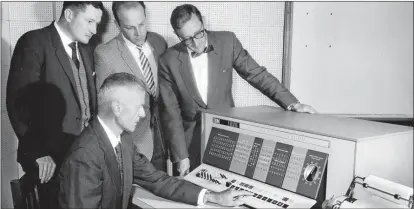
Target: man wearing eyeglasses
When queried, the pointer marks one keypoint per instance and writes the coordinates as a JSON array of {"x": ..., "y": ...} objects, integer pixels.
[{"x": 196, "y": 74}]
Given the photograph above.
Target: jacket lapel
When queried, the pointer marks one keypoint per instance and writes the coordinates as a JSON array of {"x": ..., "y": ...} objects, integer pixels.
[
  {"x": 187, "y": 74},
  {"x": 128, "y": 58},
  {"x": 106, "y": 146},
  {"x": 87, "y": 62},
  {"x": 214, "y": 65},
  {"x": 63, "y": 58}
]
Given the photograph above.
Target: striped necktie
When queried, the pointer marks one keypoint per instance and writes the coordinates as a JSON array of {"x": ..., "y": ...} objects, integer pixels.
[{"x": 146, "y": 69}]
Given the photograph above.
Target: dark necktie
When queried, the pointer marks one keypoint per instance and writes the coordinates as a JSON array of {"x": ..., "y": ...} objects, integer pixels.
[
  {"x": 118, "y": 152},
  {"x": 74, "y": 54},
  {"x": 208, "y": 49}
]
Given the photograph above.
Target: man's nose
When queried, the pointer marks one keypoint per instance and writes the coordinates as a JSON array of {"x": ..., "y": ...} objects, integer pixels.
[
  {"x": 93, "y": 29},
  {"x": 142, "y": 112}
]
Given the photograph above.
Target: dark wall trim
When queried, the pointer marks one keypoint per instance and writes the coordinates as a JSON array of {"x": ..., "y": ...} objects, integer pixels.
[{"x": 287, "y": 44}]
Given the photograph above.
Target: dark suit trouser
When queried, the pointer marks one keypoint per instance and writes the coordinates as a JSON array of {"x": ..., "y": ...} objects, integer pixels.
[{"x": 48, "y": 194}]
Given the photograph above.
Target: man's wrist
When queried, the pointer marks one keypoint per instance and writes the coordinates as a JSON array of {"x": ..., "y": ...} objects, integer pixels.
[
  {"x": 292, "y": 106},
  {"x": 205, "y": 200}
]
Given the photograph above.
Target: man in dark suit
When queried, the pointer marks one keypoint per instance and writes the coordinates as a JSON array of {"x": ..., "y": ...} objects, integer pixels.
[
  {"x": 123, "y": 54},
  {"x": 196, "y": 74},
  {"x": 51, "y": 92},
  {"x": 103, "y": 162}
]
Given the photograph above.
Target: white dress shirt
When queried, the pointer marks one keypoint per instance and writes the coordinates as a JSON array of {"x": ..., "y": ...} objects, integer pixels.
[
  {"x": 66, "y": 41},
  {"x": 200, "y": 70},
  {"x": 111, "y": 136},
  {"x": 149, "y": 53},
  {"x": 117, "y": 139}
]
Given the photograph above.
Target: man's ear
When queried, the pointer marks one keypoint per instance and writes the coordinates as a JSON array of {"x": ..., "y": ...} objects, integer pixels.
[
  {"x": 69, "y": 14},
  {"x": 116, "y": 108}
]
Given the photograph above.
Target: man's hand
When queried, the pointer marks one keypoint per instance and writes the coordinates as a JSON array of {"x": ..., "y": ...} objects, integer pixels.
[
  {"x": 183, "y": 166},
  {"x": 303, "y": 108},
  {"x": 46, "y": 168},
  {"x": 229, "y": 197}
]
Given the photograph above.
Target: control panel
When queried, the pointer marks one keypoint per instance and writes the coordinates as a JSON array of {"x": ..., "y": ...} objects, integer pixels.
[{"x": 281, "y": 165}]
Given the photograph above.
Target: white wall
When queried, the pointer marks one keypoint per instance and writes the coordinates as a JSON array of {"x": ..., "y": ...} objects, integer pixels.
[
  {"x": 354, "y": 57},
  {"x": 258, "y": 25}
]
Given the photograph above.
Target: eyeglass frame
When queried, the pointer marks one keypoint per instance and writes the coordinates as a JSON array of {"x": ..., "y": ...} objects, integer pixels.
[{"x": 202, "y": 32}]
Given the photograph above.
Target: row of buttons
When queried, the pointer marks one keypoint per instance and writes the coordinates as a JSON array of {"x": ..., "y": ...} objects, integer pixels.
[{"x": 258, "y": 196}]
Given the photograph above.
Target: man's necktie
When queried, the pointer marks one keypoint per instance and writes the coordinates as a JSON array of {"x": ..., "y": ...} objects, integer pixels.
[
  {"x": 74, "y": 54},
  {"x": 208, "y": 49},
  {"x": 118, "y": 152},
  {"x": 146, "y": 69}
]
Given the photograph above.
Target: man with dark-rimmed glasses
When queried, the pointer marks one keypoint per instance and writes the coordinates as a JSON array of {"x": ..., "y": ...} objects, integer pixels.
[{"x": 196, "y": 74}]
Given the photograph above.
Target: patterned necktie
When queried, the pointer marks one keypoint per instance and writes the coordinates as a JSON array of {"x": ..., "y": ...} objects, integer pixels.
[
  {"x": 118, "y": 152},
  {"x": 146, "y": 68},
  {"x": 208, "y": 49},
  {"x": 74, "y": 54}
]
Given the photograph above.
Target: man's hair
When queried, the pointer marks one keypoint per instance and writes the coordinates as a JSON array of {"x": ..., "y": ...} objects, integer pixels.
[
  {"x": 181, "y": 14},
  {"x": 127, "y": 5},
  {"x": 114, "y": 81},
  {"x": 81, "y": 5}
]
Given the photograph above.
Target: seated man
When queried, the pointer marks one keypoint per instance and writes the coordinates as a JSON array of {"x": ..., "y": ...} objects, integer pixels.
[{"x": 103, "y": 163}]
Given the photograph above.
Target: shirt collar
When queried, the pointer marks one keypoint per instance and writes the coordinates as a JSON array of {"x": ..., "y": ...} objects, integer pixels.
[
  {"x": 112, "y": 137},
  {"x": 132, "y": 45},
  {"x": 65, "y": 39}
]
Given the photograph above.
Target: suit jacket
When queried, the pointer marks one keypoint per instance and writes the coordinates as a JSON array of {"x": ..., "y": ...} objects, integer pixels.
[
  {"x": 89, "y": 177},
  {"x": 115, "y": 57},
  {"x": 42, "y": 99},
  {"x": 180, "y": 100}
]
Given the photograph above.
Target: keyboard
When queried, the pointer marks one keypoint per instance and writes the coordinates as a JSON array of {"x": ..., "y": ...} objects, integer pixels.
[{"x": 264, "y": 196}]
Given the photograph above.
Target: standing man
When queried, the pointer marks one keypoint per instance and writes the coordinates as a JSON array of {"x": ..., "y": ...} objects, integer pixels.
[
  {"x": 196, "y": 74},
  {"x": 51, "y": 94},
  {"x": 103, "y": 163},
  {"x": 136, "y": 51}
]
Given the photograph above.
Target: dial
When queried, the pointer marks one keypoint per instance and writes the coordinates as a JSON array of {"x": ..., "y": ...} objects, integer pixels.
[{"x": 310, "y": 173}]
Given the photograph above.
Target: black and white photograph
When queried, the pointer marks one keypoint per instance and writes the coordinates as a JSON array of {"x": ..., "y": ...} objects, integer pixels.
[{"x": 207, "y": 104}]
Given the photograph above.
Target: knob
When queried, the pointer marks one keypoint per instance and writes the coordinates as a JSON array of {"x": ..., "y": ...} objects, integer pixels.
[{"x": 310, "y": 173}]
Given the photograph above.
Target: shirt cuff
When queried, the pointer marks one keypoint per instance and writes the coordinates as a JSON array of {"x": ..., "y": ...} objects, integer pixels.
[
  {"x": 290, "y": 107},
  {"x": 200, "y": 200}
]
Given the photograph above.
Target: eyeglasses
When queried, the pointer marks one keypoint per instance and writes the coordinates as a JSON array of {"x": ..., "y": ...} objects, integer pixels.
[{"x": 190, "y": 40}]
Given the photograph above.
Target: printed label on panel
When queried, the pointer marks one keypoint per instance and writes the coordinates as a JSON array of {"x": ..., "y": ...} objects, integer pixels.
[
  {"x": 220, "y": 148},
  {"x": 312, "y": 173},
  {"x": 254, "y": 156},
  {"x": 294, "y": 169},
  {"x": 279, "y": 164},
  {"x": 241, "y": 154},
  {"x": 265, "y": 157}
]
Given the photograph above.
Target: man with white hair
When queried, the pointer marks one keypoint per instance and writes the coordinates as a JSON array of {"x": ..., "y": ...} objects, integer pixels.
[{"x": 103, "y": 163}]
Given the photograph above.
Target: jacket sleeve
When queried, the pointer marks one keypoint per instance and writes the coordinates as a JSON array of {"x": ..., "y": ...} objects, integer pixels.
[
  {"x": 103, "y": 66},
  {"x": 170, "y": 114},
  {"x": 80, "y": 180},
  {"x": 25, "y": 70},
  {"x": 161, "y": 184},
  {"x": 259, "y": 77}
]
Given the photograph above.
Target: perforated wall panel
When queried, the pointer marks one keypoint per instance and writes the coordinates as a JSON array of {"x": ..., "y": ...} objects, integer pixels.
[
  {"x": 31, "y": 11},
  {"x": 18, "y": 28},
  {"x": 4, "y": 76}
]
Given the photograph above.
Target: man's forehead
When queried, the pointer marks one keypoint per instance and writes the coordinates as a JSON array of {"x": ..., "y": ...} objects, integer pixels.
[
  {"x": 191, "y": 27},
  {"x": 92, "y": 12}
]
